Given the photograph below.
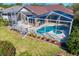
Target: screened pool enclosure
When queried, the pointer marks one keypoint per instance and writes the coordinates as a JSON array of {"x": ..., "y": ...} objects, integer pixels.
[{"x": 57, "y": 17}]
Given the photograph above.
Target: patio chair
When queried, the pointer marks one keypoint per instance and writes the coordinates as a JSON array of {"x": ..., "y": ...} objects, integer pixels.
[{"x": 53, "y": 35}]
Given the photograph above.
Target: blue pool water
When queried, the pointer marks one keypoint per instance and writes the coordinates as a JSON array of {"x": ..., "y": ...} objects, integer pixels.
[{"x": 52, "y": 28}]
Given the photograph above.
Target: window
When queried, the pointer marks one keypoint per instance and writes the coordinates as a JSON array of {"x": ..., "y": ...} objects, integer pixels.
[{"x": 31, "y": 20}]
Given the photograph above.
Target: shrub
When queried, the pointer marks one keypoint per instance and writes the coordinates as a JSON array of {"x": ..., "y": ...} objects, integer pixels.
[
  {"x": 73, "y": 42},
  {"x": 7, "y": 49},
  {"x": 3, "y": 22}
]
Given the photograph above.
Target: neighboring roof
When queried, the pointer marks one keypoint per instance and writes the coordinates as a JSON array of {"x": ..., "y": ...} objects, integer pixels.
[
  {"x": 58, "y": 7},
  {"x": 12, "y": 9},
  {"x": 37, "y": 9}
]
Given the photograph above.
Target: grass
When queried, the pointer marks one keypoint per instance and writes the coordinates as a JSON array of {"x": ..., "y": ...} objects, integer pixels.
[{"x": 30, "y": 46}]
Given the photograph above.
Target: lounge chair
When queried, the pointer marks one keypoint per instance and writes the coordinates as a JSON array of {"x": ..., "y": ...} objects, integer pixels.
[{"x": 53, "y": 35}]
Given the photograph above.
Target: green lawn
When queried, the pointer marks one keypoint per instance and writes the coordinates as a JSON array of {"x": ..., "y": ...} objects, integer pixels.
[{"x": 31, "y": 46}]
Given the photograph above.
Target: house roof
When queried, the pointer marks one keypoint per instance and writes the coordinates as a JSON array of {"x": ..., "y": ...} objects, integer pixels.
[
  {"x": 45, "y": 9},
  {"x": 58, "y": 7},
  {"x": 12, "y": 9},
  {"x": 37, "y": 9}
]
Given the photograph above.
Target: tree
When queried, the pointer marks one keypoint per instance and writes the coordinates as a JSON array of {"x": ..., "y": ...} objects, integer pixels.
[
  {"x": 18, "y": 4},
  {"x": 1, "y": 4},
  {"x": 61, "y": 4},
  {"x": 76, "y": 13},
  {"x": 38, "y": 4},
  {"x": 6, "y": 5},
  {"x": 76, "y": 7},
  {"x": 73, "y": 42}
]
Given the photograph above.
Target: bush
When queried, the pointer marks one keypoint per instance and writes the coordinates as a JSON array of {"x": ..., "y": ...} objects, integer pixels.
[
  {"x": 7, "y": 49},
  {"x": 3, "y": 22},
  {"x": 73, "y": 42}
]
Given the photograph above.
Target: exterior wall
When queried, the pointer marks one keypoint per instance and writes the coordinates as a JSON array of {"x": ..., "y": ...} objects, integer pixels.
[
  {"x": 5, "y": 17},
  {"x": 25, "y": 11}
]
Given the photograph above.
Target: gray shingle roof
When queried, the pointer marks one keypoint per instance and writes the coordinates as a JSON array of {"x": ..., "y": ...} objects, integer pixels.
[{"x": 13, "y": 9}]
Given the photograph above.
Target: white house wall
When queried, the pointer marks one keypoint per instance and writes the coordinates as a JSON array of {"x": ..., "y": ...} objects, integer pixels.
[
  {"x": 25, "y": 11},
  {"x": 5, "y": 17}
]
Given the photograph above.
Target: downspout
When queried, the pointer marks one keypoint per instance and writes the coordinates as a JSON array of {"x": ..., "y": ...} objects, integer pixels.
[{"x": 28, "y": 23}]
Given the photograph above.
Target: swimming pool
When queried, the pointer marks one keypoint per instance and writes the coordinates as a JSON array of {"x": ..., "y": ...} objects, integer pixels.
[{"x": 55, "y": 29}]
